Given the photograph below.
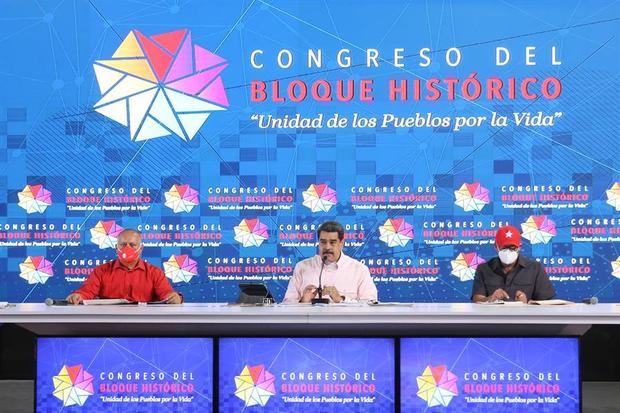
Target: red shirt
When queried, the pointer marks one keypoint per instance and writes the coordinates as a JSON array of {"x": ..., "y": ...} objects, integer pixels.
[{"x": 143, "y": 283}]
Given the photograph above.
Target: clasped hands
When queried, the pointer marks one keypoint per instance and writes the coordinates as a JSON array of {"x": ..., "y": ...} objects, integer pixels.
[{"x": 311, "y": 291}]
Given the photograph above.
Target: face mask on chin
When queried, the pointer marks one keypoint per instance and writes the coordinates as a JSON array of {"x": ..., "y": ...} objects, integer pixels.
[
  {"x": 127, "y": 255},
  {"x": 507, "y": 256}
]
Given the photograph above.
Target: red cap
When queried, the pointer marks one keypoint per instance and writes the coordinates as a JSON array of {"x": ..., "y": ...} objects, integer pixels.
[{"x": 507, "y": 236}]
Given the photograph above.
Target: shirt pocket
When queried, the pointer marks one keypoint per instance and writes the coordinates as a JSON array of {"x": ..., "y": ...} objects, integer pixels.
[
  {"x": 524, "y": 280},
  {"x": 493, "y": 284}
]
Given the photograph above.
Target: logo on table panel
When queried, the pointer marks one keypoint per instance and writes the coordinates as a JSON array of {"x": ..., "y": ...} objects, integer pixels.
[
  {"x": 251, "y": 232},
  {"x": 181, "y": 198},
  {"x": 36, "y": 270},
  {"x": 396, "y": 232},
  {"x": 613, "y": 196},
  {"x": 255, "y": 385},
  {"x": 615, "y": 268},
  {"x": 105, "y": 234},
  {"x": 471, "y": 197},
  {"x": 34, "y": 198},
  {"x": 437, "y": 386},
  {"x": 73, "y": 385},
  {"x": 319, "y": 198},
  {"x": 465, "y": 264},
  {"x": 160, "y": 85},
  {"x": 538, "y": 229},
  {"x": 180, "y": 268}
]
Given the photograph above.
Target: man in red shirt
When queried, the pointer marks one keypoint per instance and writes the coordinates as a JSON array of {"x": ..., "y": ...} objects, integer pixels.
[{"x": 127, "y": 277}]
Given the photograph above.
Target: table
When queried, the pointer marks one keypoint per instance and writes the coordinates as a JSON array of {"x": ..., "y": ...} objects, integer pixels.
[{"x": 216, "y": 319}]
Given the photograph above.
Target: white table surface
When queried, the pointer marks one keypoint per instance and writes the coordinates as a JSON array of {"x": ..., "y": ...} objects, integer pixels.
[
  {"x": 216, "y": 318},
  {"x": 455, "y": 313}
]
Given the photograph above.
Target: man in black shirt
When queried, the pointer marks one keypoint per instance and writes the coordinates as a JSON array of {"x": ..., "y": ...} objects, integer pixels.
[{"x": 510, "y": 275}]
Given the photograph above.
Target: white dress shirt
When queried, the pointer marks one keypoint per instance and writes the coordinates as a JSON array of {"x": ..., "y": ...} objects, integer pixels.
[{"x": 350, "y": 277}]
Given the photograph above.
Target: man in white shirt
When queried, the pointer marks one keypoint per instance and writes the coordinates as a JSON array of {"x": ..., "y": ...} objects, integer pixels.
[{"x": 344, "y": 279}]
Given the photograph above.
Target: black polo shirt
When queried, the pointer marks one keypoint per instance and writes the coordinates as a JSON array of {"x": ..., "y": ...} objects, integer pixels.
[{"x": 527, "y": 275}]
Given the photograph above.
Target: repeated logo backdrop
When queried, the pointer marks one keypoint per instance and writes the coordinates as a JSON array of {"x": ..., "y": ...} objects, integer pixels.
[
  {"x": 178, "y": 119},
  {"x": 134, "y": 374}
]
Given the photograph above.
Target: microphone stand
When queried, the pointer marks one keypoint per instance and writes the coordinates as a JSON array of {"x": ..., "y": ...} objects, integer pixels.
[{"x": 321, "y": 300}]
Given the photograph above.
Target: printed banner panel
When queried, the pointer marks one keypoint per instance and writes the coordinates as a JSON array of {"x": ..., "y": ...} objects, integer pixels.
[
  {"x": 124, "y": 374},
  {"x": 306, "y": 374},
  {"x": 490, "y": 374}
]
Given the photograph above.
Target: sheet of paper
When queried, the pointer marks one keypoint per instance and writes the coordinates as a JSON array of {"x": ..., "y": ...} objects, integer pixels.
[
  {"x": 107, "y": 301},
  {"x": 551, "y": 302},
  {"x": 500, "y": 302},
  {"x": 389, "y": 304}
]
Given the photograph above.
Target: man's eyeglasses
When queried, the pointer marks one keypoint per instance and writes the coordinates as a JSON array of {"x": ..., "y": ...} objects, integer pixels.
[{"x": 131, "y": 244}]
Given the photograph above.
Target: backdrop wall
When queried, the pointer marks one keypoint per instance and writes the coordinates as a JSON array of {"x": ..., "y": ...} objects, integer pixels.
[{"x": 228, "y": 131}]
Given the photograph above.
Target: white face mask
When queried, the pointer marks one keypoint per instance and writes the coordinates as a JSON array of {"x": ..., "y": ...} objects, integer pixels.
[{"x": 507, "y": 256}]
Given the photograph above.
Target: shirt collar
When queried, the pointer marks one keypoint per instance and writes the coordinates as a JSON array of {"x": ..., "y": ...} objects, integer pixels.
[
  {"x": 336, "y": 264},
  {"x": 140, "y": 266}
]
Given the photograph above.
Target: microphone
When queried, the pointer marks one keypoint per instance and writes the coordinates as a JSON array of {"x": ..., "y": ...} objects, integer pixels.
[
  {"x": 590, "y": 300},
  {"x": 321, "y": 300},
  {"x": 51, "y": 301}
]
